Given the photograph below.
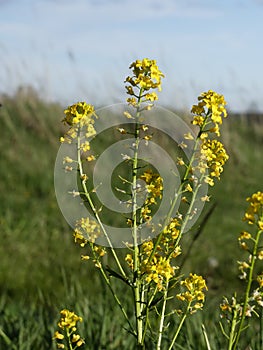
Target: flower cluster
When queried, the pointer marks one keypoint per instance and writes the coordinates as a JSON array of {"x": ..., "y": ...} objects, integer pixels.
[
  {"x": 80, "y": 117},
  {"x": 229, "y": 309},
  {"x": 67, "y": 324},
  {"x": 255, "y": 209},
  {"x": 252, "y": 243},
  {"x": 234, "y": 309},
  {"x": 87, "y": 231},
  {"x": 238, "y": 311},
  {"x": 253, "y": 216},
  {"x": 146, "y": 76},
  {"x": 168, "y": 238},
  {"x": 158, "y": 269},
  {"x": 194, "y": 295},
  {"x": 209, "y": 111},
  {"x": 157, "y": 266},
  {"x": 215, "y": 156},
  {"x": 154, "y": 188},
  {"x": 208, "y": 117}
]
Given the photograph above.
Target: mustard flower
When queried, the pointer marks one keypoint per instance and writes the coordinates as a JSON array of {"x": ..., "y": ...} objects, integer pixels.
[
  {"x": 68, "y": 319},
  {"x": 213, "y": 103},
  {"x": 154, "y": 183},
  {"x": 194, "y": 295},
  {"x": 260, "y": 280},
  {"x": 154, "y": 187},
  {"x": 80, "y": 112},
  {"x": 146, "y": 76},
  {"x": 209, "y": 111},
  {"x": 68, "y": 325},
  {"x": 244, "y": 235},
  {"x": 158, "y": 270},
  {"x": 85, "y": 230},
  {"x": 214, "y": 158},
  {"x": 168, "y": 238},
  {"x": 79, "y": 238},
  {"x": 58, "y": 335},
  {"x": 79, "y": 116},
  {"x": 255, "y": 209},
  {"x": 129, "y": 260}
]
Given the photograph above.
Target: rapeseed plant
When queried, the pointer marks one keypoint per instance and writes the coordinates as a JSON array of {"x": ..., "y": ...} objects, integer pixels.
[
  {"x": 240, "y": 309},
  {"x": 66, "y": 337},
  {"x": 150, "y": 269}
]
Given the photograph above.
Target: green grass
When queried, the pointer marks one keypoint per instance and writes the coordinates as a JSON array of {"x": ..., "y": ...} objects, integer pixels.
[{"x": 41, "y": 271}]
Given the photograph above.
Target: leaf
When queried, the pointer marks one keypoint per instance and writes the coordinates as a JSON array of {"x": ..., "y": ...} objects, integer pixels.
[{"x": 117, "y": 275}]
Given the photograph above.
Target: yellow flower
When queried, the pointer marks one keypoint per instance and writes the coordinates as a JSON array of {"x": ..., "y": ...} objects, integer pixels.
[
  {"x": 158, "y": 270},
  {"x": 154, "y": 183},
  {"x": 79, "y": 238},
  {"x": 195, "y": 286},
  {"x": 90, "y": 158},
  {"x": 67, "y": 323},
  {"x": 255, "y": 209},
  {"x": 209, "y": 110},
  {"x": 215, "y": 155},
  {"x": 244, "y": 235},
  {"x": 85, "y": 257},
  {"x": 188, "y": 188},
  {"x": 225, "y": 306},
  {"x": 58, "y": 335},
  {"x": 180, "y": 161},
  {"x": 260, "y": 280},
  {"x": 85, "y": 146},
  {"x": 80, "y": 342},
  {"x": 198, "y": 120},
  {"x": 68, "y": 319},
  {"x": 146, "y": 76},
  {"x": 80, "y": 112},
  {"x": 85, "y": 230},
  {"x": 129, "y": 260},
  {"x": 75, "y": 338},
  {"x": 151, "y": 96}
]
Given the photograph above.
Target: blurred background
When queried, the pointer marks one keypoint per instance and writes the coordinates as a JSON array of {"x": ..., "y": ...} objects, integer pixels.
[
  {"x": 56, "y": 52},
  {"x": 80, "y": 50}
]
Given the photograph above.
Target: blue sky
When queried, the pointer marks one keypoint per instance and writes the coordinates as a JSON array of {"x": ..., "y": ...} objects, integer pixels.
[{"x": 80, "y": 50}]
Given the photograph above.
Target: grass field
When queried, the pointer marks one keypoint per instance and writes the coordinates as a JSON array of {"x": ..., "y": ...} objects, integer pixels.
[{"x": 41, "y": 271}]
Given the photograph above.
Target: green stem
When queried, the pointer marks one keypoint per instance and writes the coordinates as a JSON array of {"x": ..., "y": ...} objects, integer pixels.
[
  {"x": 105, "y": 277},
  {"x": 92, "y": 206},
  {"x": 247, "y": 293},
  {"x": 69, "y": 340},
  {"x": 175, "y": 199},
  {"x": 232, "y": 335},
  {"x": 206, "y": 337},
  {"x": 161, "y": 324},
  {"x": 136, "y": 254},
  {"x": 189, "y": 212},
  {"x": 179, "y": 327},
  {"x": 147, "y": 311}
]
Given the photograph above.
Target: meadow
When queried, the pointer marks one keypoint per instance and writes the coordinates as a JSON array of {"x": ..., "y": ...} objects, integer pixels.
[{"x": 41, "y": 270}]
